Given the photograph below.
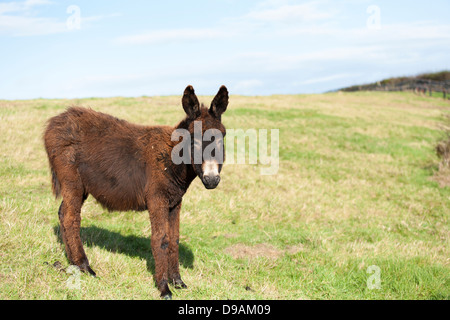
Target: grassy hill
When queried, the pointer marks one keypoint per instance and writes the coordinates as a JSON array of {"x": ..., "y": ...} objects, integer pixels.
[
  {"x": 414, "y": 81},
  {"x": 354, "y": 189}
]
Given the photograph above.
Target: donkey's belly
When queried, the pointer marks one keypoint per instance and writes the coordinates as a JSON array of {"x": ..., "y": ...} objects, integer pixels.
[
  {"x": 116, "y": 190},
  {"x": 119, "y": 201}
]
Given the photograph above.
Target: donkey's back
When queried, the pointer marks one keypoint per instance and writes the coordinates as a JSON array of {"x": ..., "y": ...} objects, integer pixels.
[{"x": 100, "y": 155}]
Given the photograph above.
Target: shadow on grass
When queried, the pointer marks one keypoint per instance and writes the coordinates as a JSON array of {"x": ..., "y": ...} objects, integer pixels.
[{"x": 131, "y": 245}]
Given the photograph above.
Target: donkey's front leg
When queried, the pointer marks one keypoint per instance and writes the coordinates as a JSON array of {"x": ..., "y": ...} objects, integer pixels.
[
  {"x": 174, "y": 235},
  {"x": 159, "y": 219}
]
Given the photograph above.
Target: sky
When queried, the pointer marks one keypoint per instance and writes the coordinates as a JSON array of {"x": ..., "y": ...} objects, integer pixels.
[{"x": 104, "y": 48}]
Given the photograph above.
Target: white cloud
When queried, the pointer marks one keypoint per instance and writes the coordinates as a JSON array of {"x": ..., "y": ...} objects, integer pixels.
[
  {"x": 21, "y": 6},
  {"x": 328, "y": 78},
  {"x": 171, "y": 35},
  {"x": 240, "y": 28},
  {"x": 21, "y": 19},
  {"x": 287, "y": 13},
  {"x": 266, "y": 13},
  {"x": 24, "y": 25}
]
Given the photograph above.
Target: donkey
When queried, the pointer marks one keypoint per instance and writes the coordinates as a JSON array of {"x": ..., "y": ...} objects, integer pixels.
[{"x": 125, "y": 166}]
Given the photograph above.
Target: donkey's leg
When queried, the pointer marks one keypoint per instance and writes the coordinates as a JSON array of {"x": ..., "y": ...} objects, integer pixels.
[
  {"x": 160, "y": 242},
  {"x": 70, "y": 222},
  {"x": 174, "y": 235}
]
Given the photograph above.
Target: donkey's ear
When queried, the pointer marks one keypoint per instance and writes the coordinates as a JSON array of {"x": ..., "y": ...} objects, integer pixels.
[
  {"x": 190, "y": 103},
  {"x": 219, "y": 103}
]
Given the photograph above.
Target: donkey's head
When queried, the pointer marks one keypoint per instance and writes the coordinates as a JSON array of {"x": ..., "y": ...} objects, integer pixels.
[{"x": 207, "y": 152}]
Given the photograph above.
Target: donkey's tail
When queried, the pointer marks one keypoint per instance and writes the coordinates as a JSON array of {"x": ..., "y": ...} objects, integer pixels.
[{"x": 56, "y": 185}]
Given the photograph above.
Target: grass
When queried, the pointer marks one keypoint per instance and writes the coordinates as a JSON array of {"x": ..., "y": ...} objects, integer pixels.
[{"x": 354, "y": 189}]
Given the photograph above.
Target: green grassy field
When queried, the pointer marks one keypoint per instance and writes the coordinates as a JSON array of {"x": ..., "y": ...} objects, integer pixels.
[{"x": 354, "y": 189}]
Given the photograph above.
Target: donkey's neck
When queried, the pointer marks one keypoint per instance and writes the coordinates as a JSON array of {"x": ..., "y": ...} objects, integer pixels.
[{"x": 181, "y": 175}]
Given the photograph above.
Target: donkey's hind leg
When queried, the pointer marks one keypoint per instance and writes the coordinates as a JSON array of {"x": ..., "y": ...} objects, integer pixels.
[{"x": 70, "y": 223}]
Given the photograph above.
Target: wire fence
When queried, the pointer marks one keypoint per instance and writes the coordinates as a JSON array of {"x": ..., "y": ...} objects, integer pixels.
[{"x": 419, "y": 86}]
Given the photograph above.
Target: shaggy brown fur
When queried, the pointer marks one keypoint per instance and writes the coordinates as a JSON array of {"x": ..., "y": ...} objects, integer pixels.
[{"x": 126, "y": 166}]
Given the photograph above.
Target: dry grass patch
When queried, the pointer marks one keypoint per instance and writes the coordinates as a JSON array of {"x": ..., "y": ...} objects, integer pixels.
[{"x": 442, "y": 177}]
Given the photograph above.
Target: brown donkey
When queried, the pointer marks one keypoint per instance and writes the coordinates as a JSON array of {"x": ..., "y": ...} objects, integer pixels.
[{"x": 126, "y": 166}]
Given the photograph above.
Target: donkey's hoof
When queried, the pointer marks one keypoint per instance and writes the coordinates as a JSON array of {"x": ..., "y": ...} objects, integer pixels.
[
  {"x": 163, "y": 287},
  {"x": 179, "y": 284},
  {"x": 167, "y": 296},
  {"x": 91, "y": 272},
  {"x": 87, "y": 268}
]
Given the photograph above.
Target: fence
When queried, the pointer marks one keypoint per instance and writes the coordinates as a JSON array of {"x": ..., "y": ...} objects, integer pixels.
[{"x": 415, "y": 85}]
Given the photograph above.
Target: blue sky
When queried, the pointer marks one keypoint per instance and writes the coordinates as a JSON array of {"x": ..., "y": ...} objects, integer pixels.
[{"x": 76, "y": 49}]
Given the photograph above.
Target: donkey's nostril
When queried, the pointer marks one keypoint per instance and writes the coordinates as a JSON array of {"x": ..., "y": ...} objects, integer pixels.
[{"x": 211, "y": 181}]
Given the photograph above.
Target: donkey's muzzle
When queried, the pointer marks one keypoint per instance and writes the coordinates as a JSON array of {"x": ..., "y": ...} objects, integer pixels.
[{"x": 211, "y": 181}]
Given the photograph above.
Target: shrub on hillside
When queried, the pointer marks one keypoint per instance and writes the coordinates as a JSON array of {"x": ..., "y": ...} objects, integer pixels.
[
  {"x": 443, "y": 152},
  {"x": 443, "y": 147}
]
